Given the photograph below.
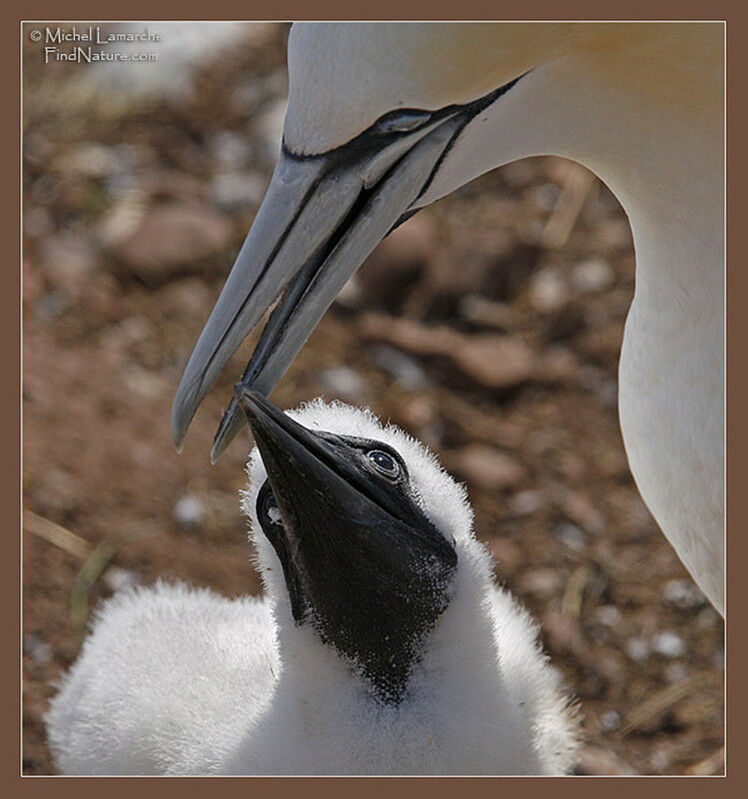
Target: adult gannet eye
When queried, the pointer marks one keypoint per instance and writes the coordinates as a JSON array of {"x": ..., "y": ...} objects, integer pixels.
[
  {"x": 403, "y": 122},
  {"x": 385, "y": 464}
]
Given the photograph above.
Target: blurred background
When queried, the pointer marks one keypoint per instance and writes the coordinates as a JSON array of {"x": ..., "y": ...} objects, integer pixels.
[{"x": 489, "y": 326}]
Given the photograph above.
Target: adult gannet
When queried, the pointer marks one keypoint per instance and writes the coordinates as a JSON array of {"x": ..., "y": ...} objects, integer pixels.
[
  {"x": 382, "y": 644},
  {"x": 384, "y": 119}
]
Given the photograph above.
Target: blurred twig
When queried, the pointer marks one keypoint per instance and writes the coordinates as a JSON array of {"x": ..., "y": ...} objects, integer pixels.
[
  {"x": 663, "y": 700},
  {"x": 55, "y": 534},
  {"x": 92, "y": 568},
  {"x": 576, "y": 185},
  {"x": 714, "y": 764},
  {"x": 571, "y": 604},
  {"x": 95, "y": 558},
  {"x": 594, "y": 760}
]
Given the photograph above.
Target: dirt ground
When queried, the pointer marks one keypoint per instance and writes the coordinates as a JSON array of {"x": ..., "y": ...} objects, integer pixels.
[{"x": 489, "y": 326}]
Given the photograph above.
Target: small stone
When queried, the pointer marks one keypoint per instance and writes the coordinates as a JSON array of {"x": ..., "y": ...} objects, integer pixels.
[
  {"x": 676, "y": 672},
  {"x": 343, "y": 381},
  {"x": 578, "y": 508},
  {"x": 406, "y": 371},
  {"x": 541, "y": 582},
  {"x": 189, "y": 511},
  {"x": 487, "y": 313},
  {"x": 708, "y": 617},
  {"x": 506, "y": 553},
  {"x": 493, "y": 361},
  {"x": 637, "y": 649},
  {"x": 526, "y": 502},
  {"x": 90, "y": 160},
  {"x": 38, "y": 650},
  {"x": 571, "y": 536},
  {"x": 592, "y": 276},
  {"x": 683, "y": 594},
  {"x": 610, "y": 720},
  {"x": 548, "y": 291},
  {"x": 67, "y": 261},
  {"x": 37, "y": 222},
  {"x": 487, "y": 467},
  {"x": 609, "y": 615},
  {"x": 230, "y": 150},
  {"x": 669, "y": 645},
  {"x": 350, "y": 296},
  {"x": 233, "y": 191},
  {"x": 397, "y": 263},
  {"x": 418, "y": 412},
  {"x": 659, "y": 760},
  {"x": 118, "y": 579},
  {"x": 187, "y": 297},
  {"x": 171, "y": 237},
  {"x": 563, "y": 633}
]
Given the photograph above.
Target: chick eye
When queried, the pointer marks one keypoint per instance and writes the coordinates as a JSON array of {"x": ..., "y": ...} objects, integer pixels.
[
  {"x": 385, "y": 464},
  {"x": 271, "y": 510}
]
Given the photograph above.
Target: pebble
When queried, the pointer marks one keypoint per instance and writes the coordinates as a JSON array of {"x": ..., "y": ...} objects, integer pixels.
[
  {"x": 234, "y": 191},
  {"x": 669, "y": 645},
  {"x": 487, "y": 467},
  {"x": 343, "y": 381},
  {"x": 38, "y": 650},
  {"x": 708, "y": 617},
  {"x": 170, "y": 237},
  {"x": 683, "y": 594},
  {"x": 541, "y": 582},
  {"x": 491, "y": 360},
  {"x": 406, "y": 371},
  {"x": 609, "y": 615},
  {"x": 637, "y": 649},
  {"x": 67, "y": 259},
  {"x": 676, "y": 672},
  {"x": 118, "y": 579},
  {"x": 571, "y": 536},
  {"x": 396, "y": 264},
  {"x": 592, "y": 276},
  {"x": 610, "y": 720},
  {"x": 91, "y": 160},
  {"x": 230, "y": 150},
  {"x": 487, "y": 313},
  {"x": 659, "y": 760},
  {"x": 548, "y": 291},
  {"x": 526, "y": 502},
  {"x": 189, "y": 511}
]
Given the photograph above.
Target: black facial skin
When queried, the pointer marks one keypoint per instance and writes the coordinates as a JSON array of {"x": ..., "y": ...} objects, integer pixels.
[{"x": 362, "y": 563}]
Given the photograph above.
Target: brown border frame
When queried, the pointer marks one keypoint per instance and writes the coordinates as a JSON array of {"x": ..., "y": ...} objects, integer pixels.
[{"x": 10, "y": 752}]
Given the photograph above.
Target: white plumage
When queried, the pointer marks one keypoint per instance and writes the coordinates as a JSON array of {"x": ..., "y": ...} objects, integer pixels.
[
  {"x": 386, "y": 118},
  {"x": 180, "y": 681}
]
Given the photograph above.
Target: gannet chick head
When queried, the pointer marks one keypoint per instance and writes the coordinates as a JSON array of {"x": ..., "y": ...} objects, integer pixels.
[{"x": 363, "y": 525}]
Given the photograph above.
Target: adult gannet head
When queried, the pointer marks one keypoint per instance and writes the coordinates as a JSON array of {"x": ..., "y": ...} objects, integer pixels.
[{"x": 385, "y": 118}]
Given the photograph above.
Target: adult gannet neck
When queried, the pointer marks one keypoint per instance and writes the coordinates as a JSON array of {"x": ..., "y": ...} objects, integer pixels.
[
  {"x": 385, "y": 118},
  {"x": 382, "y": 644}
]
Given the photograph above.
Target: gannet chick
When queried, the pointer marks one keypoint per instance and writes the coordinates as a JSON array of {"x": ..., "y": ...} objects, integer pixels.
[{"x": 382, "y": 644}]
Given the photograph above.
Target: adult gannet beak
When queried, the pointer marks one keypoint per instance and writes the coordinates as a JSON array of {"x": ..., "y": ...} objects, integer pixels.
[{"x": 321, "y": 217}]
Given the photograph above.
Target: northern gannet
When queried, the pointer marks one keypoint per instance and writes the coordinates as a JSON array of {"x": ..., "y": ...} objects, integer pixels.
[
  {"x": 385, "y": 118},
  {"x": 382, "y": 644}
]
